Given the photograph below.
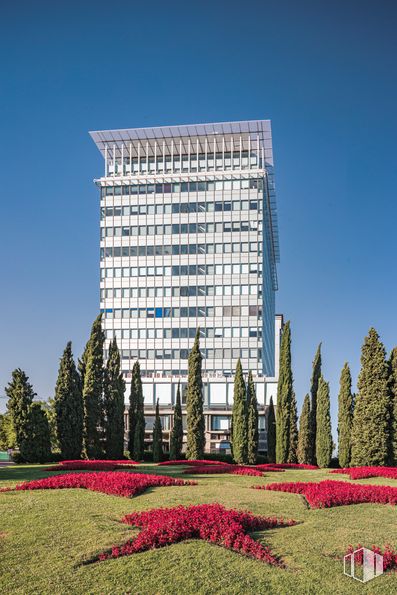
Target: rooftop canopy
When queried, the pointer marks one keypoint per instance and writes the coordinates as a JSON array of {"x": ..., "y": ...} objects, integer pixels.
[{"x": 227, "y": 136}]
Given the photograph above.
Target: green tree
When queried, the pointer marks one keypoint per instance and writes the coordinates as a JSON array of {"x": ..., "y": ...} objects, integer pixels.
[
  {"x": 371, "y": 430},
  {"x": 304, "y": 445},
  {"x": 316, "y": 373},
  {"x": 271, "y": 433},
  {"x": 176, "y": 440},
  {"x": 20, "y": 395},
  {"x": 7, "y": 434},
  {"x": 114, "y": 387},
  {"x": 252, "y": 422},
  {"x": 82, "y": 365},
  {"x": 93, "y": 391},
  {"x": 49, "y": 408},
  {"x": 293, "y": 430},
  {"x": 323, "y": 424},
  {"x": 194, "y": 404},
  {"x": 239, "y": 417},
  {"x": 284, "y": 398},
  {"x": 393, "y": 403},
  {"x": 39, "y": 444},
  {"x": 345, "y": 416},
  {"x": 68, "y": 405},
  {"x": 157, "y": 437},
  {"x": 139, "y": 433},
  {"x": 136, "y": 396}
]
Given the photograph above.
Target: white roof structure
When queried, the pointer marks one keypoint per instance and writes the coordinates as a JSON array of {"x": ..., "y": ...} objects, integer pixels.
[
  {"x": 250, "y": 132},
  {"x": 246, "y": 135}
]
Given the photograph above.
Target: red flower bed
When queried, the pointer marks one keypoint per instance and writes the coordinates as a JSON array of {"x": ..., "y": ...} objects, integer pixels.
[
  {"x": 216, "y": 469},
  {"x": 247, "y": 471},
  {"x": 389, "y": 555},
  {"x": 210, "y": 522},
  {"x": 193, "y": 462},
  {"x": 92, "y": 465},
  {"x": 326, "y": 494},
  {"x": 117, "y": 483},
  {"x": 365, "y": 472},
  {"x": 287, "y": 466},
  {"x": 86, "y": 461},
  {"x": 269, "y": 468}
]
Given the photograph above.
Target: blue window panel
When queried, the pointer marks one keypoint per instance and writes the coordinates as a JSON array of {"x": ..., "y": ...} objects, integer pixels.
[{"x": 159, "y": 312}]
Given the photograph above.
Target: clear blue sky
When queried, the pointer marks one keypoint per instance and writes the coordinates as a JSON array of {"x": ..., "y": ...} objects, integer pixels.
[{"x": 323, "y": 72}]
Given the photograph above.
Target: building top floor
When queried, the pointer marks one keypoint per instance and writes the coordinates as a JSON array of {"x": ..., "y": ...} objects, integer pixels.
[{"x": 198, "y": 139}]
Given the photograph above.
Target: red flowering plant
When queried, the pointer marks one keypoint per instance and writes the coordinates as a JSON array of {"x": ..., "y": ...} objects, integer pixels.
[
  {"x": 116, "y": 483},
  {"x": 211, "y": 522},
  {"x": 192, "y": 463},
  {"x": 327, "y": 494},
  {"x": 92, "y": 465},
  {"x": 217, "y": 469},
  {"x": 269, "y": 468},
  {"x": 86, "y": 461},
  {"x": 283, "y": 466},
  {"x": 388, "y": 552},
  {"x": 365, "y": 472}
]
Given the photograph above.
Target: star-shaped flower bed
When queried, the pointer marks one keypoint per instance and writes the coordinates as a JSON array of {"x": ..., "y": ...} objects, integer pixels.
[
  {"x": 116, "y": 483},
  {"x": 92, "y": 465},
  {"x": 219, "y": 469},
  {"x": 365, "y": 472},
  {"x": 210, "y": 522},
  {"x": 327, "y": 494}
]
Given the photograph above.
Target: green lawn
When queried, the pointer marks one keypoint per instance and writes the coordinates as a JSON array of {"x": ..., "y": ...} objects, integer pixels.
[{"x": 46, "y": 535}]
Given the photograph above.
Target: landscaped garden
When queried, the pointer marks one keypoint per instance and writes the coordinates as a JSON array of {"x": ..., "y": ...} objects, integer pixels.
[{"x": 103, "y": 531}]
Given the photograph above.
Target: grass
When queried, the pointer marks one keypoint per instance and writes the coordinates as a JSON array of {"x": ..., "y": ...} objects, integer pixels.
[{"x": 46, "y": 535}]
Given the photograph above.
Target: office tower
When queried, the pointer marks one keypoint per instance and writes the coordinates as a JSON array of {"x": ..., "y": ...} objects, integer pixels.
[{"x": 189, "y": 239}]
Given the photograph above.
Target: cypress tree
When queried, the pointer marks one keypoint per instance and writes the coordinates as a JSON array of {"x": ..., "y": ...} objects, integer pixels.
[
  {"x": 345, "y": 416},
  {"x": 157, "y": 437},
  {"x": 133, "y": 406},
  {"x": 239, "y": 417},
  {"x": 194, "y": 404},
  {"x": 93, "y": 391},
  {"x": 7, "y": 434},
  {"x": 39, "y": 450},
  {"x": 20, "y": 395},
  {"x": 371, "y": 430},
  {"x": 271, "y": 433},
  {"x": 304, "y": 445},
  {"x": 252, "y": 422},
  {"x": 49, "y": 408},
  {"x": 393, "y": 401},
  {"x": 68, "y": 405},
  {"x": 323, "y": 424},
  {"x": 176, "y": 440},
  {"x": 284, "y": 398},
  {"x": 316, "y": 373},
  {"x": 139, "y": 432},
  {"x": 293, "y": 430},
  {"x": 114, "y": 387}
]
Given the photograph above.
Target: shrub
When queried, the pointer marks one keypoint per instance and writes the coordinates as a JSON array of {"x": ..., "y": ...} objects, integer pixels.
[
  {"x": 92, "y": 465},
  {"x": 217, "y": 469},
  {"x": 327, "y": 494},
  {"x": 282, "y": 466},
  {"x": 192, "y": 463},
  {"x": 211, "y": 522},
  {"x": 116, "y": 483},
  {"x": 365, "y": 472}
]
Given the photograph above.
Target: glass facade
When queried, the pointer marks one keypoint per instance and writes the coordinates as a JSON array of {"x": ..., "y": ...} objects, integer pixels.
[{"x": 188, "y": 240}]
